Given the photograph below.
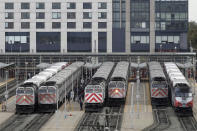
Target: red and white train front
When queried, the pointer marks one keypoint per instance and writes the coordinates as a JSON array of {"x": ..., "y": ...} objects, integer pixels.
[
  {"x": 25, "y": 99},
  {"x": 117, "y": 89},
  {"x": 94, "y": 96}
]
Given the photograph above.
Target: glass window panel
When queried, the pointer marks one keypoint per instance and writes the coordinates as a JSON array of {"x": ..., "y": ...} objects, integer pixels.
[
  {"x": 17, "y": 38},
  {"x": 11, "y": 39},
  {"x": 168, "y": 16},
  {"x": 163, "y": 15},
  {"x": 23, "y": 39},
  {"x": 136, "y": 38},
  {"x": 143, "y": 24},
  {"x": 164, "y": 38},
  {"x": 147, "y": 39},
  {"x": 132, "y": 40},
  {"x": 158, "y": 39},
  {"x": 176, "y": 39},
  {"x": 143, "y": 39},
  {"x": 170, "y": 38}
]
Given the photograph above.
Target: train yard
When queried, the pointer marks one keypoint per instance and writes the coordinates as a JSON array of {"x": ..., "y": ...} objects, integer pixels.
[{"x": 111, "y": 101}]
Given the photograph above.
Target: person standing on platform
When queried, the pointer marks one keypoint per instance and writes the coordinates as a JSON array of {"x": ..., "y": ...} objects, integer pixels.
[{"x": 81, "y": 103}]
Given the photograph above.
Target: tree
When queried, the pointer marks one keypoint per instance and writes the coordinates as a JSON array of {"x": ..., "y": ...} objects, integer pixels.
[{"x": 192, "y": 34}]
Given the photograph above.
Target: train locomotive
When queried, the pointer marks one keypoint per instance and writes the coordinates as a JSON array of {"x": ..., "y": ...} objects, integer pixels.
[
  {"x": 27, "y": 93},
  {"x": 117, "y": 87},
  {"x": 158, "y": 84},
  {"x": 52, "y": 93},
  {"x": 96, "y": 90},
  {"x": 181, "y": 92}
]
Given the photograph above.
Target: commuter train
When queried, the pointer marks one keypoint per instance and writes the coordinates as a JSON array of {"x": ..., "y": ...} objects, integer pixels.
[
  {"x": 52, "y": 93},
  {"x": 158, "y": 84},
  {"x": 96, "y": 90},
  {"x": 117, "y": 87},
  {"x": 181, "y": 92},
  {"x": 27, "y": 93}
]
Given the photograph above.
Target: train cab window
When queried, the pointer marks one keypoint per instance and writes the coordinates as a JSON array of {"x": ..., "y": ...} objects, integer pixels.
[
  {"x": 51, "y": 90},
  {"x": 120, "y": 85},
  {"x": 89, "y": 90},
  {"x": 20, "y": 91},
  {"x": 29, "y": 91},
  {"x": 112, "y": 84},
  {"x": 97, "y": 89},
  {"x": 42, "y": 91}
]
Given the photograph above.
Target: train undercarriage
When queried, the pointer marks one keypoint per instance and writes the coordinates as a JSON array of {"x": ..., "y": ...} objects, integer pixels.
[{"x": 25, "y": 109}]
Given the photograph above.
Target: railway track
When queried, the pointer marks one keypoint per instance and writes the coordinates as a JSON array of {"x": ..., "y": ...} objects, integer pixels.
[
  {"x": 161, "y": 120},
  {"x": 188, "y": 123},
  {"x": 109, "y": 118},
  {"x": 25, "y": 122}
]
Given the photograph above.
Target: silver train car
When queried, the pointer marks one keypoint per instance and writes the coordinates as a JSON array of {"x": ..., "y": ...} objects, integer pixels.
[
  {"x": 180, "y": 90},
  {"x": 158, "y": 84},
  {"x": 96, "y": 90},
  {"x": 117, "y": 87},
  {"x": 27, "y": 93},
  {"x": 52, "y": 93}
]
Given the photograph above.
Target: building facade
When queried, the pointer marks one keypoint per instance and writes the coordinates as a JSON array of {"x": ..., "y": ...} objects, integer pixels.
[{"x": 93, "y": 26}]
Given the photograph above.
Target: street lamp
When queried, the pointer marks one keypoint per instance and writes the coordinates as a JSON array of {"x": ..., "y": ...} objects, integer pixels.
[
  {"x": 34, "y": 66},
  {"x": 26, "y": 70},
  {"x": 6, "y": 92}
]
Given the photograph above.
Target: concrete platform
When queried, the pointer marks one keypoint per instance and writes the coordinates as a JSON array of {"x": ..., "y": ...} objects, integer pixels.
[
  {"x": 195, "y": 100},
  {"x": 138, "y": 109},
  {"x": 59, "y": 122}
]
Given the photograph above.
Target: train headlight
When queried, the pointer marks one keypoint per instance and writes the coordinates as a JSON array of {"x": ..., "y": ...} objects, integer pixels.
[
  {"x": 116, "y": 91},
  {"x": 24, "y": 97}
]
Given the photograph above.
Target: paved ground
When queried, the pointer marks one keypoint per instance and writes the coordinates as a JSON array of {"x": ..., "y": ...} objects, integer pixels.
[
  {"x": 59, "y": 122},
  {"x": 138, "y": 109}
]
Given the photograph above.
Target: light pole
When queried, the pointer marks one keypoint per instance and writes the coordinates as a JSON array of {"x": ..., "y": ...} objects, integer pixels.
[
  {"x": 26, "y": 70},
  {"x": 34, "y": 66},
  {"x": 6, "y": 92}
]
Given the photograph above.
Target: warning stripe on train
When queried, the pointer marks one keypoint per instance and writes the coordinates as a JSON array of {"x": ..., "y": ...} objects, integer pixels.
[
  {"x": 24, "y": 100},
  {"x": 93, "y": 98},
  {"x": 47, "y": 98},
  {"x": 116, "y": 93},
  {"x": 159, "y": 92}
]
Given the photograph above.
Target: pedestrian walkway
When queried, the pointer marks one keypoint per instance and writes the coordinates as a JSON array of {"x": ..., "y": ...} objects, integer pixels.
[
  {"x": 138, "y": 109},
  {"x": 62, "y": 120}
]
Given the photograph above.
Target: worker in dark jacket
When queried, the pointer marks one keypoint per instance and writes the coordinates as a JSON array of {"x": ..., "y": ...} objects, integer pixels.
[{"x": 81, "y": 103}]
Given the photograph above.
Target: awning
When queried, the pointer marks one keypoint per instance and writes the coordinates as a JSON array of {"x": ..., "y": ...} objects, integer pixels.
[{"x": 4, "y": 65}]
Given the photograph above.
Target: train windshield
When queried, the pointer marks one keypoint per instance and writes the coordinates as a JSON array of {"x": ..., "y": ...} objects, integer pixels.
[
  {"x": 120, "y": 84},
  {"x": 159, "y": 84},
  {"x": 43, "y": 90},
  {"x": 28, "y": 91},
  {"x": 183, "y": 92},
  {"x": 97, "y": 89},
  {"x": 51, "y": 90},
  {"x": 20, "y": 91},
  {"x": 112, "y": 84},
  {"x": 89, "y": 89}
]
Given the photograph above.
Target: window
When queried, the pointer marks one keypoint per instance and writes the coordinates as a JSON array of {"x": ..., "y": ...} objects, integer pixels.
[
  {"x": 71, "y": 15},
  {"x": 87, "y": 15},
  {"x": 25, "y": 25},
  {"x": 163, "y": 26},
  {"x": 9, "y": 15},
  {"x": 56, "y": 5},
  {"x": 9, "y": 25},
  {"x": 40, "y": 15},
  {"x": 71, "y": 25},
  {"x": 71, "y": 5},
  {"x": 25, "y": 5},
  {"x": 87, "y": 5},
  {"x": 139, "y": 39},
  {"x": 158, "y": 39},
  {"x": 40, "y": 6},
  {"x": 102, "y": 25},
  {"x": 102, "y": 5},
  {"x": 102, "y": 15},
  {"x": 40, "y": 25},
  {"x": 56, "y": 25},
  {"x": 9, "y": 5},
  {"x": 87, "y": 25},
  {"x": 56, "y": 15},
  {"x": 170, "y": 39},
  {"x": 25, "y": 15}
]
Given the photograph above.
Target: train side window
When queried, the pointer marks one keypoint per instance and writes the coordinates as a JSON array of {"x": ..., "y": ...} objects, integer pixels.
[{"x": 28, "y": 91}]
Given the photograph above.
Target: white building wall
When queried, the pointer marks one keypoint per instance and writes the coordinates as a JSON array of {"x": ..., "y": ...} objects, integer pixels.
[{"x": 48, "y": 21}]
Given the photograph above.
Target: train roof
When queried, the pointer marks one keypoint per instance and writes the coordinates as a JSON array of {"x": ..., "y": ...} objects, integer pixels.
[
  {"x": 175, "y": 82},
  {"x": 35, "y": 81},
  {"x": 156, "y": 71},
  {"x": 60, "y": 77},
  {"x": 104, "y": 71},
  {"x": 121, "y": 70},
  {"x": 48, "y": 74}
]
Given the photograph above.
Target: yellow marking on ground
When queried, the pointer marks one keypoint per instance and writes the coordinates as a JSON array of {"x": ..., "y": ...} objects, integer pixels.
[
  {"x": 127, "y": 97},
  {"x": 148, "y": 93},
  {"x": 4, "y": 82}
]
